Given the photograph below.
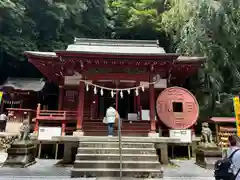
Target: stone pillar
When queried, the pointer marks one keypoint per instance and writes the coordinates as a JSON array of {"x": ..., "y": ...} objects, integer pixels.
[
  {"x": 68, "y": 152},
  {"x": 163, "y": 147},
  {"x": 60, "y": 97},
  {"x": 80, "y": 110}
]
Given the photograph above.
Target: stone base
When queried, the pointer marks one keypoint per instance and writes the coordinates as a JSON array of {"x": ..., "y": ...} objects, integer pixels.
[
  {"x": 206, "y": 157},
  {"x": 78, "y": 133},
  {"x": 21, "y": 155},
  {"x": 153, "y": 134}
]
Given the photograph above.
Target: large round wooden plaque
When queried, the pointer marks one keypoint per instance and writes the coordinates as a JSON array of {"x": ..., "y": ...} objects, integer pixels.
[{"x": 177, "y": 108}]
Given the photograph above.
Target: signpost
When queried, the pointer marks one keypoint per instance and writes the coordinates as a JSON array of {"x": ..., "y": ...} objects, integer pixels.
[
  {"x": 119, "y": 138},
  {"x": 237, "y": 113}
]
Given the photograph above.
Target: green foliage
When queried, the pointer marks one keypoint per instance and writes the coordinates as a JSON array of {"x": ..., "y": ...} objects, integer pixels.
[
  {"x": 208, "y": 28},
  {"x": 46, "y": 25}
]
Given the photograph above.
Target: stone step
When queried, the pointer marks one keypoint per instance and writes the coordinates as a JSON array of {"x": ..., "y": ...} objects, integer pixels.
[
  {"x": 115, "y": 145},
  {"x": 115, "y": 157},
  {"x": 116, "y": 164},
  {"x": 128, "y": 133},
  {"x": 88, "y": 150},
  {"x": 104, "y": 127},
  {"x": 103, "y": 172}
]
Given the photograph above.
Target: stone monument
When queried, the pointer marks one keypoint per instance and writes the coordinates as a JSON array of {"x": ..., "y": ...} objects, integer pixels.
[
  {"x": 22, "y": 151},
  {"x": 207, "y": 152}
]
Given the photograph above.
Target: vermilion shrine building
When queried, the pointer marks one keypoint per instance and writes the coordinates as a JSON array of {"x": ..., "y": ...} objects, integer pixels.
[{"x": 115, "y": 64}]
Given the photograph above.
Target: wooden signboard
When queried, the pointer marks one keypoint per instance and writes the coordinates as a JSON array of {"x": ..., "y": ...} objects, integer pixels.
[{"x": 185, "y": 135}]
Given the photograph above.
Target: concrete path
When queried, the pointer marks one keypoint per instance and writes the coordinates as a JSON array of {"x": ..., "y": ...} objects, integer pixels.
[{"x": 45, "y": 169}]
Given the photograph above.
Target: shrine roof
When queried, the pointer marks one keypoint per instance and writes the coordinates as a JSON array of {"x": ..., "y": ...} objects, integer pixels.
[
  {"x": 24, "y": 84},
  {"x": 190, "y": 59},
  {"x": 120, "y": 47},
  {"x": 42, "y": 54},
  {"x": 111, "y": 48}
]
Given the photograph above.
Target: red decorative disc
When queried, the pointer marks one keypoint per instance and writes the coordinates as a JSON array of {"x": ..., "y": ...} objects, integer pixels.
[{"x": 177, "y": 108}]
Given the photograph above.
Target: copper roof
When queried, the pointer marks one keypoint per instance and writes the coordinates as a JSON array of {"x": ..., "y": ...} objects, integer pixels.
[{"x": 116, "y": 47}]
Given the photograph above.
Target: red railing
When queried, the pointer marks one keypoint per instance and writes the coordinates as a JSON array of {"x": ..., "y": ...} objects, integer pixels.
[{"x": 56, "y": 115}]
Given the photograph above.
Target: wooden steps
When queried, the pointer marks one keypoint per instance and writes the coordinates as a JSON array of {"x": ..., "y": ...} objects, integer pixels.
[{"x": 97, "y": 128}]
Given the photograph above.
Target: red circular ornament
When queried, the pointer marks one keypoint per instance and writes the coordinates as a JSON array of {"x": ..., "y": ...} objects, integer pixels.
[{"x": 177, "y": 108}]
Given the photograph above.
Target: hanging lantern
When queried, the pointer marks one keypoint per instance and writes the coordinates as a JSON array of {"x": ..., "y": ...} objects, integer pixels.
[
  {"x": 87, "y": 87},
  {"x": 121, "y": 94},
  {"x": 143, "y": 89},
  {"x": 112, "y": 94},
  {"x": 128, "y": 91},
  {"x": 101, "y": 92},
  {"x": 136, "y": 91},
  {"x": 95, "y": 90}
]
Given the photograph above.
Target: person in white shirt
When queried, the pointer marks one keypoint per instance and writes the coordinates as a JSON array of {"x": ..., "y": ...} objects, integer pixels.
[
  {"x": 3, "y": 122},
  {"x": 236, "y": 157},
  {"x": 111, "y": 114}
]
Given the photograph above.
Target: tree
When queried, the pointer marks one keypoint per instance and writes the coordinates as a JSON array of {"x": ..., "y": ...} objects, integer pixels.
[
  {"x": 46, "y": 25},
  {"x": 209, "y": 28}
]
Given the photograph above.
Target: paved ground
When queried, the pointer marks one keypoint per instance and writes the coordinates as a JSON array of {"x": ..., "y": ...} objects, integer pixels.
[{"x": 45, "y": 169}]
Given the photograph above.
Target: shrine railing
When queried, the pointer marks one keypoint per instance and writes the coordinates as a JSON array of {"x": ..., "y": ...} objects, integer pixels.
[{"x": 56, "y": 115}]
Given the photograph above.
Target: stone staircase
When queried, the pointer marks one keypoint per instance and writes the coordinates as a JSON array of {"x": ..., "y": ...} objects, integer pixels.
[{"x": 102, "y": 159}]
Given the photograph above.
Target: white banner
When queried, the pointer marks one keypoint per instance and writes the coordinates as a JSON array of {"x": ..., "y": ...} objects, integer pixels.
[{"x": 46, "y": 133}]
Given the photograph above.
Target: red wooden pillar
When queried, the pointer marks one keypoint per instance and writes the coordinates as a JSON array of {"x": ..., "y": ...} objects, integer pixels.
[
  {"x": 116, "y": 101},
  {"x": 135, "y": 103},
  {"x": 37, "y": 115},
  {"x": 95, "y": 106},
  {"x": 60, "y": 97},
  {"x": 138, "y": 98},
  {"x": 80, "y": 106},
  {"x": 193, "y": 130},
  {"x": 152, "y": 108},
  {"x": 63, "y": 127}
]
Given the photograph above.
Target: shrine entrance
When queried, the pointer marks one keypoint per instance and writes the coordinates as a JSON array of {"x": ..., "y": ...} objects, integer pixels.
[{"x": 125, "y": 103}]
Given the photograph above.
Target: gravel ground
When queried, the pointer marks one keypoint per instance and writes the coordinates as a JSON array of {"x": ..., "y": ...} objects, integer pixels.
[{"x": 45, "y": 169}]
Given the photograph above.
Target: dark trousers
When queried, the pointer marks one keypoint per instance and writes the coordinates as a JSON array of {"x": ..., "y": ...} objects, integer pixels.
[
  {"x": 110, "y": 129},
  {"x": 2, "y": 126}
]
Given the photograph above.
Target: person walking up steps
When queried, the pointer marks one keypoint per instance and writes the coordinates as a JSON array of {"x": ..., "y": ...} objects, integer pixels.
[{"x": 110, "y": 119}]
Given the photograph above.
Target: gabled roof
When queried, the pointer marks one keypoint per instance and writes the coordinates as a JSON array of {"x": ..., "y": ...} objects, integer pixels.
[
  {"x": 119, "y": 47},
  {"x": 24, "y": 84}
]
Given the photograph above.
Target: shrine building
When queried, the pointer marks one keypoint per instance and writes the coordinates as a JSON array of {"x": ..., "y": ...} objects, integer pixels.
[{"x": 138, "y": 75}]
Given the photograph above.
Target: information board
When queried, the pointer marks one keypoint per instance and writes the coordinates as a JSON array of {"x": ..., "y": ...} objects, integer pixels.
[
  {"x": 185, "y": 135},
  {"x": 46, "y": 133},
  {"x": 237, "y": 113}
]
